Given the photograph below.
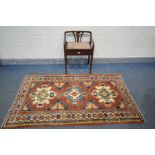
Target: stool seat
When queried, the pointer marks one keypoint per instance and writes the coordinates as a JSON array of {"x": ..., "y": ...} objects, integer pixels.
[{"x": 78, "y": 45}]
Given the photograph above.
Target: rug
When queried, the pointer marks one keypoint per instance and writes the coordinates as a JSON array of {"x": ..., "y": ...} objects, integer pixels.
[{"x": 70, "y": 100}]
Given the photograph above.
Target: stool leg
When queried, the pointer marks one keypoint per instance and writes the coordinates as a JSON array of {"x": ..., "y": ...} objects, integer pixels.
[
  {"x": 65, "y": 63},
  {"x": 91, "y": 59}
]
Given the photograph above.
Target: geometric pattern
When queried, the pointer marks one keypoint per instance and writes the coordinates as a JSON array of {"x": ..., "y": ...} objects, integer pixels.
[{"x": 61, "y": 100}]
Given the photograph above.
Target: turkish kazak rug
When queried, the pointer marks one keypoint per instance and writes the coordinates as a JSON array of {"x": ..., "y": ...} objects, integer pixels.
[{"x": 69, "y": 100}]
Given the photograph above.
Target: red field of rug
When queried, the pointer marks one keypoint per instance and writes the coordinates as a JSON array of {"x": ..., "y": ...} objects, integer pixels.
[{"x": 62, "y": 100}]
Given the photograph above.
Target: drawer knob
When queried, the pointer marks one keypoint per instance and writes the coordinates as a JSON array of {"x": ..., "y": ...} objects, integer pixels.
[{"x": 78, "y": 52}]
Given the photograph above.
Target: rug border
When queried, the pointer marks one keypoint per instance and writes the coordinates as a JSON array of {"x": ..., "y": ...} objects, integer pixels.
[
  {"x": 66, "y": 125},
  {"x": 12, "y": 103},
  {"x": 135, "y": 103}
]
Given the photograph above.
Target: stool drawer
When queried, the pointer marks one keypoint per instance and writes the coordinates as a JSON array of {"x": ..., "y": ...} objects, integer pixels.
[{"x": 78, "y": 52}]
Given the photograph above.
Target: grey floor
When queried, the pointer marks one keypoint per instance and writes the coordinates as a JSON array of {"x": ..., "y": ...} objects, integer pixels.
[{"x": 139, "y": 77}]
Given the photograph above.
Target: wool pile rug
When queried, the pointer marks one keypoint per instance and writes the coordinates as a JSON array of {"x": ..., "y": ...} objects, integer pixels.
[{"x": 61, "y": 100}]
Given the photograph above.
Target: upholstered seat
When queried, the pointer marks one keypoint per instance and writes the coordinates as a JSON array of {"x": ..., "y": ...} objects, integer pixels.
[{"x": 78, "y": 45}]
